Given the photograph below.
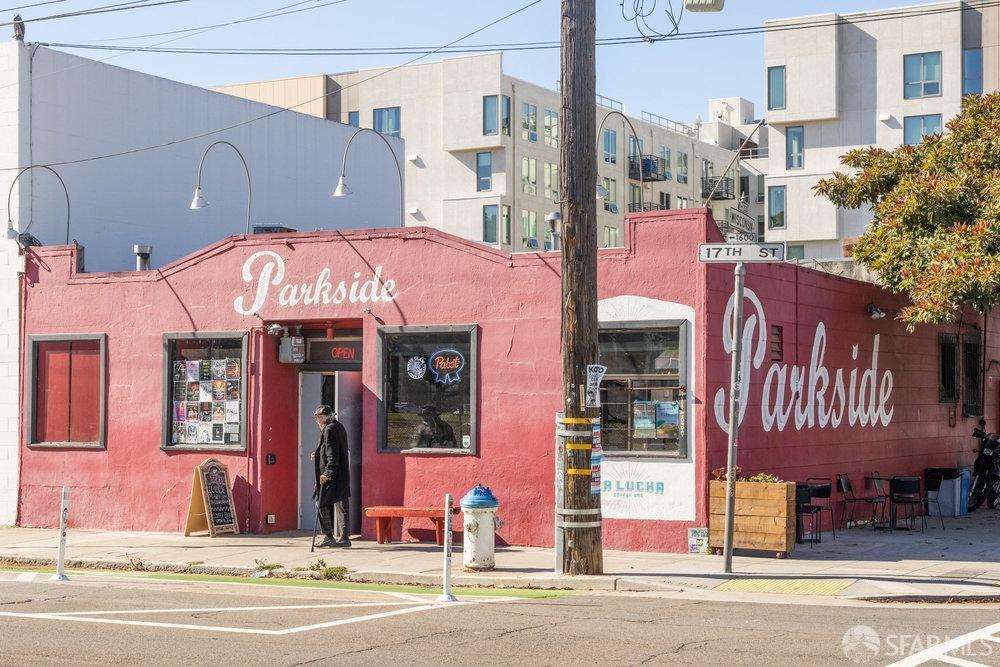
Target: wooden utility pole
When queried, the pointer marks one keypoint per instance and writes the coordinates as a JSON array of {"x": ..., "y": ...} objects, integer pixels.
[{"x": 578, "y": 164}]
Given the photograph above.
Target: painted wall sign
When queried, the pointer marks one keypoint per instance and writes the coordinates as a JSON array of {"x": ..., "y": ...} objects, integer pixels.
[
  {"x": 446, "y": 365},
  {"x": 266, "y": 269},
  {"x": 659, "y": 490},
  {"x": 809, "y": 396}
]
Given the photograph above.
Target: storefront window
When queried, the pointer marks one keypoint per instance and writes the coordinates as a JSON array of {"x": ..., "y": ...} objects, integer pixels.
[
  {"x": 206, "y": 390},
  {"x": 428, "y": 389},
  {"x": 65, "y": 403},
  {"x": 643, "y": 396}
]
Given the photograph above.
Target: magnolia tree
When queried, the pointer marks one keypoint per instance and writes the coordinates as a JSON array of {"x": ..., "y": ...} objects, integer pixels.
[{"x": 936, "y": 228}]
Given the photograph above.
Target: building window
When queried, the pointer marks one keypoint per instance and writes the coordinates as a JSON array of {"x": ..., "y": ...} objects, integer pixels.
[
  {"x": 760, "y": 188},
  {"x": 776, "y": 207},
  {"x": 427, "y": 388},
  {"x": 682, "y": 202},
  {"x": 551, "y": 174},
  {"x": 922, "y": 75},
  {"x": 490, "y": 115},
  {"x": 354, "y": 118},
  {"x": 972, "y": 71},
  {"x": 915, "y": 128},
  {"x": 529, "y": 122},
  {"x": 610, "y": 146},
  {"x": 665, "y": 156},
  {"x": 760, "y": 228},
  {"x": 972, "y": 374},
  {"x": 795, "y": 147},
  {"x": 505, "y": 114},
  {"x": 529, "y": 229},
  {"x": 682, "y": 167},
  {"x": 634, "y": 197},
  {"x": 490, "y": 224},
  {"x": 776, "y": 87},
  {"x": 529, "y": 177},
  {"x": 610, "y": 236},
  {"x": 635, "y": 148},
  {"x": 551, "y": 128},
  {"x": 664, "y": 201},
  {"x": 947, "y": 368},
  {"x": 795, "y": 252},
  {"x": 65, "y": 402},
  {"x": 775, "y": 342},
  {"x": 205, "y": 399},
  {"x": 484, "y": 172},
  {"x": 643, "y": 402},
  {"x": 745, "y": 186},
  {"x": 387, "y": 121},
  {"x": 505, "y": 224},
  {"x": 707, "y": 168},
  {"x": 547, "y": 246},
  {"x": 611, "y": 200}
]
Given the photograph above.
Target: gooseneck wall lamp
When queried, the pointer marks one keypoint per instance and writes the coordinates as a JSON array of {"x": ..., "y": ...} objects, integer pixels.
[
  {"x": 199, "y": 201},
  {"x": 343, "y": 191},
  {"x": 13, "y": 233}
]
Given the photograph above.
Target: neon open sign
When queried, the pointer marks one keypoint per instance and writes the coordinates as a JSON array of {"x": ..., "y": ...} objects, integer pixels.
[{"x": 447, "y": 366}]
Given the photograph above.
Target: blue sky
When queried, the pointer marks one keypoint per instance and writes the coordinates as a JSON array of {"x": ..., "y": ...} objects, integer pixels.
[{"x": 671, "y": 79}]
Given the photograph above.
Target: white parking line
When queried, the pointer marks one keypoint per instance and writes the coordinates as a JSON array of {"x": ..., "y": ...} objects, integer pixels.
[
  {"x": 26, "y": 576},
  {"x": 939, "y": 651},
  {"x": 200, "y": 609}
]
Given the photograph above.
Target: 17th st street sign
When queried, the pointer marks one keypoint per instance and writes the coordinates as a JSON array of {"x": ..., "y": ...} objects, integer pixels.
[{"x": 741, "y": 252}]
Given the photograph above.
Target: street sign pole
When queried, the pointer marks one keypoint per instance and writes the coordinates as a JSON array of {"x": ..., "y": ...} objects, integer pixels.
[{"x": 734, "y": 400}]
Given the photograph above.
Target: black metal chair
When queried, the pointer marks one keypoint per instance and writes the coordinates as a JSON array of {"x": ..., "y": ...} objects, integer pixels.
[
  {"x": 932, "y": 484},
  {"x": 804, "y": 507},
  {"x": 848, "y": 497},
  {"x": 905, "y": 492},
  {"x": 821, "y": 495},
  {"x": 880, "y": 486}
]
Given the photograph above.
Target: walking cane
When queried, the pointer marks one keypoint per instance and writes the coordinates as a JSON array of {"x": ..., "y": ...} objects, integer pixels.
[{"x": 312, "y": 548}]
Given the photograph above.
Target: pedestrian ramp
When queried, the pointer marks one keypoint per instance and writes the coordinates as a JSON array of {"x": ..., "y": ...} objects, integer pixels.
[{"x": 786, "y": 586}]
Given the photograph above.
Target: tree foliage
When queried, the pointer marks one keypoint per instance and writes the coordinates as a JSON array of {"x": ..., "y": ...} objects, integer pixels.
[{"x": 936, "y": 229}]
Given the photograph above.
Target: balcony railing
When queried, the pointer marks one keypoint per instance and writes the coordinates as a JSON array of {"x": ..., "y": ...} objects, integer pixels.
[
  {"x": 652, "y": 168},
  {"x": 636, "y": 207},
  {"x": 753, "y": 153},
  {"x": 662, "y": 121},
  {"x": 724, "y": 191}
]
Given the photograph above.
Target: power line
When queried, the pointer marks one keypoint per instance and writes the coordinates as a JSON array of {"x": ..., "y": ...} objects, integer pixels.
[
  {"x": 202, "y": 135},
  {"x": 543, "y": 45},
  {"x": 106, "y": 9},
  {"x": 37, "y": 4}
]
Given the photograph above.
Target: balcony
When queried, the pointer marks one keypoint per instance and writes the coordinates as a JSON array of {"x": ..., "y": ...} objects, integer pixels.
[
  {"x": 753, "y": 153},
  {"x": 647, "y": 206},
  {"x": 651, "y": 167},
  {"x": 725, "y": 189}
]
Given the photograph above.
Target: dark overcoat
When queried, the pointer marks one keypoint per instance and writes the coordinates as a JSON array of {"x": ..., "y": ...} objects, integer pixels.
[{"x": 331, "y": 459}]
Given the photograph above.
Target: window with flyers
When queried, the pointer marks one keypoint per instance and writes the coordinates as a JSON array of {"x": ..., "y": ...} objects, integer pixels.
[
  {"x": 643, "y": 394},
  {"x": 205, "y": 402},
  {"x": 427, "y": 389}
]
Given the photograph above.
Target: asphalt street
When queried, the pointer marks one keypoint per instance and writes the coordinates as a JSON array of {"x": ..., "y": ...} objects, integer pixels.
[{"x": 103, "y": 619}]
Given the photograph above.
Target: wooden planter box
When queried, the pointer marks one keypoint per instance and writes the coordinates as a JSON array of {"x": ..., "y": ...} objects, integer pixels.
[{"x": 765, "y": 516}]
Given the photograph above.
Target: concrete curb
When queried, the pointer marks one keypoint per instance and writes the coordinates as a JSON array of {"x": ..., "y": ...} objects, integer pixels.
[
  {"x": 581, "y": 583},
  {"x": 157, "y": 566}
]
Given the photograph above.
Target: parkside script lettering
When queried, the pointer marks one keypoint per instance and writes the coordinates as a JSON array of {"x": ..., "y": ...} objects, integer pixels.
[
  {"x": 812, "y": 396},
  {"x": 266, "y": 270}
]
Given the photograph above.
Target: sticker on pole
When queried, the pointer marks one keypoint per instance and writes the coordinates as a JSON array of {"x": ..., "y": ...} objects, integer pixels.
[
  {"x": 741, "y": 252},
  {"x": 596, "y": 458},
  {"x": 595, "y": 373}
]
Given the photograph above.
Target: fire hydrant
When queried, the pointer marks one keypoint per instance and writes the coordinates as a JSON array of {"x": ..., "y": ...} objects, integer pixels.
[{"x": 481, "y": 523}]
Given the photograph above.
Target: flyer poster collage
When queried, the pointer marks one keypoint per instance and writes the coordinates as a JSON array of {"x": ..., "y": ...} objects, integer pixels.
[{"x": 206, "y": 402}]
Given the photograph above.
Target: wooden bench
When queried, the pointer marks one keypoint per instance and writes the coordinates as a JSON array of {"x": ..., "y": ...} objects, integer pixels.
[{"x": 384, "y": 515}]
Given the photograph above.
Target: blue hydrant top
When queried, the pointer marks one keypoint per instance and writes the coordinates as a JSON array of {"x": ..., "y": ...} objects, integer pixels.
[{"x": 479, "y": 498}]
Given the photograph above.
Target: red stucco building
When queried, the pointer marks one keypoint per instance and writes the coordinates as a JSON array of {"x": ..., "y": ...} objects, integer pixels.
[{"x": 442, "y": 357}]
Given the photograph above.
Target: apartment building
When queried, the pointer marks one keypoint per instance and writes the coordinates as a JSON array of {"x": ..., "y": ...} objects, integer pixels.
[
  {"x": 483, "y": 148},
  {"x": 883, "y": 78}
]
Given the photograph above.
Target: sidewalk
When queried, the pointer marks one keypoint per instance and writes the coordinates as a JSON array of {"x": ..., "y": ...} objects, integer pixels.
[{"x": 958, "y": 561}]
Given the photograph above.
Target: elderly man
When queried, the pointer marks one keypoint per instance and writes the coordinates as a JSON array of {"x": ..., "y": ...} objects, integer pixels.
[{"x": 333, "y": 486}]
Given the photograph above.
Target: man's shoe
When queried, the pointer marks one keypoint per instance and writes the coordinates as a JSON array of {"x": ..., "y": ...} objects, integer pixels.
[
  {"x": 342, "y": 543},
  {"x": 328, "y": 542}
]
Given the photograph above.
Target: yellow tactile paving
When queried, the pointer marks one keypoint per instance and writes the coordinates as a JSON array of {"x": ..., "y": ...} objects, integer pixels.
[{"x": 786, "y": 586}]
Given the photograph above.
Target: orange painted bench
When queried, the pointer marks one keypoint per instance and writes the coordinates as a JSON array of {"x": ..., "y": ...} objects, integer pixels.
[{"x": 384, "y": 515}]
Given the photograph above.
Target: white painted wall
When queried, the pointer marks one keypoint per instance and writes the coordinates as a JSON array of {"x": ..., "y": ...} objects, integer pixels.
[{"x": 56, "y": 107}]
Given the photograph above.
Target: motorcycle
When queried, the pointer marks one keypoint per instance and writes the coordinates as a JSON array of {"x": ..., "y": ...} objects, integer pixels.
[{"x": 986, "y": 470}]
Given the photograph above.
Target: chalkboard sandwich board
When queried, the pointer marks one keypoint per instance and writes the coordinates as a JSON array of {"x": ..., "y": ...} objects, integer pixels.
[{"x": 211, "y": 509}]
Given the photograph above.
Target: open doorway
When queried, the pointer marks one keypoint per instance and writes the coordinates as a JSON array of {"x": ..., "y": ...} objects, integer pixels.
[{"x": 341, "y": 390}]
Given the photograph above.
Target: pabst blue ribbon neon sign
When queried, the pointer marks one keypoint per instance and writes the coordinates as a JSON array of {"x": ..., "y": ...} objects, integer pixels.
[
  {"x": 446, "y": 365},
  {"x": 811, "y": 396}
]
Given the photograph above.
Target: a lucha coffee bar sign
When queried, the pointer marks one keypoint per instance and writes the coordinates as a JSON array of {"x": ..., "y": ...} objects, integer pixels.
[{"x": 265, "y": 271}]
